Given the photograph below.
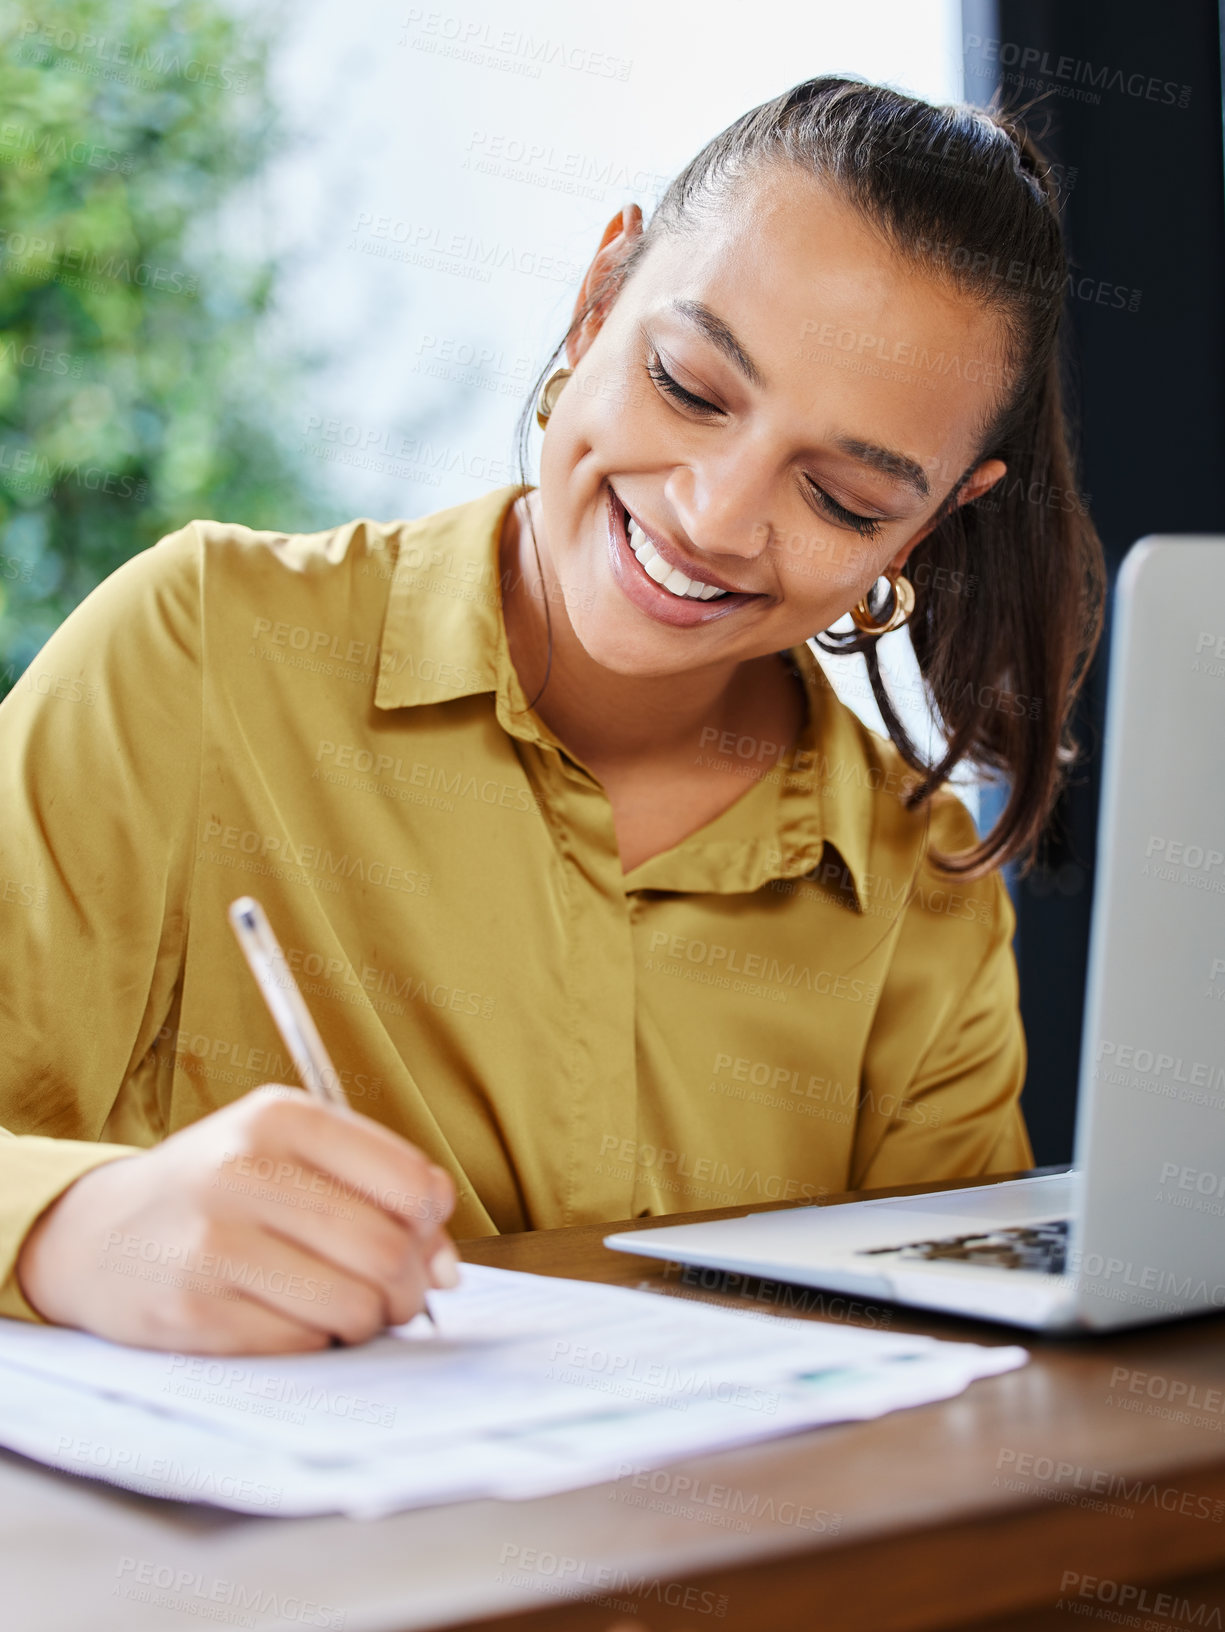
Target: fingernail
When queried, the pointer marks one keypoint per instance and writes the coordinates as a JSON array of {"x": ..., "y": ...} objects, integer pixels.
[
  {"x": 443, "y": 1192},
  {"x": 444, "y": 1265}
]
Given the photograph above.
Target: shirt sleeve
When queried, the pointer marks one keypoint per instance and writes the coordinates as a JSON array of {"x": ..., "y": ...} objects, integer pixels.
[
  {"x": 940, "y": 1096},
  {"x": 99, "y": 780}
]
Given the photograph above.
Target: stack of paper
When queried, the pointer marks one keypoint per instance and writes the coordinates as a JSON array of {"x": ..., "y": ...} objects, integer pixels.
[{"x": 529, "y": 1384}]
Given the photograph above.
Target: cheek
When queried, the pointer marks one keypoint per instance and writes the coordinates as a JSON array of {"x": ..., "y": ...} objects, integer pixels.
[
  {"x": 611, "y": 405},
  {"x": 594, "y": 434},
  {"x": 818, "y": 566},
  {"x": 588, "y": 432},
  {"x": 573, "y": 498}
]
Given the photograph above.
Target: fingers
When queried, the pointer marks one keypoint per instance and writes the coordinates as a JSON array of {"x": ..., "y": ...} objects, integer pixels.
[
  {"x": 353, "y": 1239},
  {"x": 278, "y": 1274},
  {"x": 350, "y": 1194},
  {"x": 362, "y": 1161},
  {"x": 444, "y": 1265},
  {"x": 279, "y": 1223},
  {"x": 239, "y": 1326}
]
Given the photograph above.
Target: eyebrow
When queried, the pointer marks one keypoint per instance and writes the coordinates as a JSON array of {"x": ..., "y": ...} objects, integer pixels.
[
  {"x": 886, "y": 460},
  {"x": 718, "y": 333}
]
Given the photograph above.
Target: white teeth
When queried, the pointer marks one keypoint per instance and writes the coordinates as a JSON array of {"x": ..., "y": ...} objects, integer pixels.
[{"x": 671, "y": 578}]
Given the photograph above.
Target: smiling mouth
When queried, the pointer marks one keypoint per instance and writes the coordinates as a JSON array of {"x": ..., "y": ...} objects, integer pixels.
[{"x": 668, "y": 576}]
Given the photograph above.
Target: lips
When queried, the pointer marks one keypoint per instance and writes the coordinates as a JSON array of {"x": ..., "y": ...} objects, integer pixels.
[
  {"x": 674, "y": 558},
  {"x": 644, "y": 590}
]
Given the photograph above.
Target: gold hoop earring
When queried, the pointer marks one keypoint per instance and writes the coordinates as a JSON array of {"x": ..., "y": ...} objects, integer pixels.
[
  {"x": 901, "y": 594},
  {"x": 549, "y": 393}
]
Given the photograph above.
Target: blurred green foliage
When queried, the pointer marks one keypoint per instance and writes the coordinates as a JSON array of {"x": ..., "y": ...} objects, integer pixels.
[{"x": 135, "y": 389}]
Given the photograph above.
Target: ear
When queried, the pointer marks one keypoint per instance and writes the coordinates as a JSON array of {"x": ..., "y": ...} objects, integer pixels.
[
  {"x": 975, "y": 485},
  {"x": 620, "y": 236}
]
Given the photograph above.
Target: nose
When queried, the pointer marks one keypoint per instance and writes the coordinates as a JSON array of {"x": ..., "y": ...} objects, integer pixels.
[{"x": 723, "y": 504}]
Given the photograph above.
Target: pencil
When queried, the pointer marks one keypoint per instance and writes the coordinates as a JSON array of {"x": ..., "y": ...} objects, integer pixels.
[{"x": 288, "y": 1007}]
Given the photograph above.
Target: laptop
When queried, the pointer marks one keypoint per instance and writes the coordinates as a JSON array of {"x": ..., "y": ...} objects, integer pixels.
[{"x": 1134, "y": 1231}]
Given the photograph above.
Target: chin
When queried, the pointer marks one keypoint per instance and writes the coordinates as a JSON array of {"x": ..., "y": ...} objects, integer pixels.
[{"x": 621, "y": 646}]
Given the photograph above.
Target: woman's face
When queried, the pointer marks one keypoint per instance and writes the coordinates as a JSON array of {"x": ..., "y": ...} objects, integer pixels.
[{"x": 829, "y": 401}]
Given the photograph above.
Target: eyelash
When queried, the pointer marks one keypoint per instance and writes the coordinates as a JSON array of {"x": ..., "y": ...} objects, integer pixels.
[{"x": 865, "y": 526}]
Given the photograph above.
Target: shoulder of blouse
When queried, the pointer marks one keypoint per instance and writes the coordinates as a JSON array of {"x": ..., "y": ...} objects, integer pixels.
[{"x": 903, "y": 839}]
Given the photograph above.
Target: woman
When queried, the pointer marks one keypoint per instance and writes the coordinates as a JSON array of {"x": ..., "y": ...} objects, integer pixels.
[{"x": 603, "y": 903}]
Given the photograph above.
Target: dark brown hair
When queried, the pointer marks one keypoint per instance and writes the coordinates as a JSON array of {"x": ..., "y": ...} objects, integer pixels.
[{"x": 966, "y": 197}]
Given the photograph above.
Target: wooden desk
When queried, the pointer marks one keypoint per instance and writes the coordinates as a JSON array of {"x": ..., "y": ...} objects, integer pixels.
[{"x": 1075, "y": 1479}]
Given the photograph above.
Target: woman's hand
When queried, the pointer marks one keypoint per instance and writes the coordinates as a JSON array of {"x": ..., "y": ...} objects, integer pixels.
[{"x": 272, "y": 1225}]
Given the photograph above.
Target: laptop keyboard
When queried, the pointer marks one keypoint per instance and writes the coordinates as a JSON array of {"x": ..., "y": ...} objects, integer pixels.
[{"x": 1042, "y": 1247}]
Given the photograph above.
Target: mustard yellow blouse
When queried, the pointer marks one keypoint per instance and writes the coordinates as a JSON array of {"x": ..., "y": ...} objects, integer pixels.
[{"x": 785, "y": 1004}]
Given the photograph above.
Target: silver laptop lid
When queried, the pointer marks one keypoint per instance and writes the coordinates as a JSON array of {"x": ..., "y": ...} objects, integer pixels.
[{"x": 1150, "y": 1132}]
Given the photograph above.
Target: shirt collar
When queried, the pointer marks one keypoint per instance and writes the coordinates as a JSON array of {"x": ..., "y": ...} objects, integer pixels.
[
  {"x": 444, "y": 614},
  {"x": 444, "y": 637}
]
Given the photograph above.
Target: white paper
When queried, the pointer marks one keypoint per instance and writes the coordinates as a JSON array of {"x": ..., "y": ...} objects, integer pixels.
[{"x": 529, "y": 1384}]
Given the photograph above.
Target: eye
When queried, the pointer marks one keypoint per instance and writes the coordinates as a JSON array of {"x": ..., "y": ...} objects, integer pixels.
[
  {"x": 675, "y": 390},
  {"x": 865, "y": 526}
]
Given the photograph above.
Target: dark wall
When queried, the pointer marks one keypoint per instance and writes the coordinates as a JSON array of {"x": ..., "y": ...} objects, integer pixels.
[{"x": 1126, "y": 99}]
